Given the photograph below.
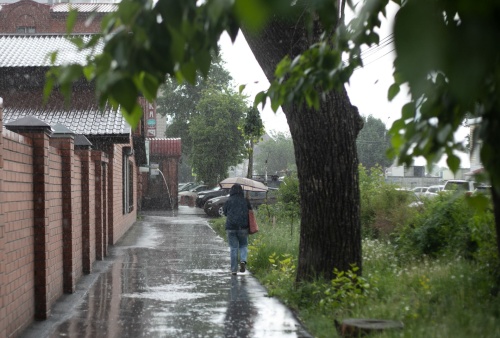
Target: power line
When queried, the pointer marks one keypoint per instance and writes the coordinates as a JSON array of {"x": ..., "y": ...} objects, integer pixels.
[
  {"x": 376, "y": 49},
  {"x": 369, "y": 63}
]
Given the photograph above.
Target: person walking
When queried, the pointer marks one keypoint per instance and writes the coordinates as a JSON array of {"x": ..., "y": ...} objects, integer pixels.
[{"x": 236, "y": 209}]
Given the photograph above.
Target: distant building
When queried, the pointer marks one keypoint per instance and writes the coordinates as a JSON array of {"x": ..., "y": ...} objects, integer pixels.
[
  {"x": 476, "y": 167},
  {"x": 410, "y": 176}
]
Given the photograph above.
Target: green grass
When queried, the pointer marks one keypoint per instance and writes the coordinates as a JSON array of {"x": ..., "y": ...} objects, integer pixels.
[{"x": 446, "y": 296}]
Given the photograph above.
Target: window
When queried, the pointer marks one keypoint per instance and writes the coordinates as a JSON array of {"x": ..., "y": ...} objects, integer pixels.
[
  {"x": 128, "y": 181},
  {"x": 26, "y": 30}
]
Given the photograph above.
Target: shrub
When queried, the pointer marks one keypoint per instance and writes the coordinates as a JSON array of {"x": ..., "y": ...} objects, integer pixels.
[
  {"x": 448, "y": 225},
  {"x": 383, "y": 207}
]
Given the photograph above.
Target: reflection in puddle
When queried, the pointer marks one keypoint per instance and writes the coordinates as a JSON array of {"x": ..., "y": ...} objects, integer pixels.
[{"x": 168, "y": 293}]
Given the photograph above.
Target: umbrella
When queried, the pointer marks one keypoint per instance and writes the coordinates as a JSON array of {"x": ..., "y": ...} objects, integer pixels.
[{"x": 246, "y": 183}]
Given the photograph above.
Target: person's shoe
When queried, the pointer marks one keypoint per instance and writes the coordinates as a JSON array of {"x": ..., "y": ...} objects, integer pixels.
[
  {"x": 233, "y": 273},
  {"x": 243, "y": 266}
]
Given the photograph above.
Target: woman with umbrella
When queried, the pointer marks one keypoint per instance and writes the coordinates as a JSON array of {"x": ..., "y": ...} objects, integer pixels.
[{"x": 236, "y": 209}]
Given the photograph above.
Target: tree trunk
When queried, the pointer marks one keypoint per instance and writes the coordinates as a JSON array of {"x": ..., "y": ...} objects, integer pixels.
[
  {"x": 327, "y": 165},
  {"x": 250, "y": 160}
]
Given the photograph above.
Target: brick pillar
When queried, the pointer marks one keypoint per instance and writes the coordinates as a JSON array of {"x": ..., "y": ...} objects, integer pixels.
[
  {"x": 39, "y": 132},
  {"x": 100, "y": 160},
  {"x": 3, "y": 323},
  {"x": 105, "y": 207},
  {"x": 64, "y": 140},
  {"x": 111, "y": 194},
  {"x": 86, "y": 162}
]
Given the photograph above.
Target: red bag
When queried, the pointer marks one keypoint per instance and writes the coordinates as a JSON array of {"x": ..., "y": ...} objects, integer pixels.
[{"x": 253, "y": 227}]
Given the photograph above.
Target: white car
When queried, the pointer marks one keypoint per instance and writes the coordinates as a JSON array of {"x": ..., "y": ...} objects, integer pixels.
[
  {"x": 460, "y": 185},
  {"x": 419, "y": 191},
  {"x": 433, "y": 190}
]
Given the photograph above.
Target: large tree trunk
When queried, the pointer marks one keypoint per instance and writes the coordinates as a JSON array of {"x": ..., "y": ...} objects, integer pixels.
[{"x": 327, "y": 165}]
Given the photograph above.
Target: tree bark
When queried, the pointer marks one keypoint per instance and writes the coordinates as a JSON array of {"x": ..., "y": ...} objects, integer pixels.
[
  {"x": 327, "y": 164},
  {"x": 250, "y": 159}
]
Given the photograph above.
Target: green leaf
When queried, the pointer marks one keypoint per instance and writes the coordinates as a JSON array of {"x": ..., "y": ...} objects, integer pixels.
[
  {"x": 203, "y": 60},
  {"x": 148, "y": 86},
  {"x": 128, "y": 10},
  {"x": 133, "y": 116},
  {"x": 397, "y": 141},
  {"x": 47, "y": 88},
  {"x": 53, "y": 57},
  {"x": 125, "y": 93},
  {"x": 444, "y": 133},
  {"x": 408, "y": 111},
  {"x": 77, "y": 41},
  {"x": 69, "y": 74},
  {"x": 283, "y": 67},
  {"x": 172, "y": 12},
  {"x": 71, "y": 20},
  {"x": 453, "y": 162},
  {"x": 177, "y": 45},
  {"x": 398, "y": 125},
  {"x": 253, "y": 12},
  {"x": 275, "y": 104},
  {"x": 88, "y": 72},
  {"x": 261, "y": 97},
  {"x": 241, "y": 88},
  {"x": 393, "y": 91},
  {"x": 188, "y": 71}
]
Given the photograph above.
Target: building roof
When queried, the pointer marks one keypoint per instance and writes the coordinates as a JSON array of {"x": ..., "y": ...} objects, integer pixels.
[
  {"x": 89, "y": 122},
  {"x": 84, "y": 7},
  {"x": 165, "y": 147},
  {"x": 34, "y": 50},
  {"x": 103, "y": 7}
]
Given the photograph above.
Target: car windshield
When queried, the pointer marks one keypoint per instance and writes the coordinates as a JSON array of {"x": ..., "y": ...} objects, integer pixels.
[{"x": 458, "y": 186}]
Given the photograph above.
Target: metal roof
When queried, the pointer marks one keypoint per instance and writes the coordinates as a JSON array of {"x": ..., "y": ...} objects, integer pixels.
[
  {"x": 84, "y": 8},
  {"x": 80, "y": 7},
  {"x": 90, "y": 121},
  {"x": 33, "y": 50},
  {"x": 165, "y": 146}
]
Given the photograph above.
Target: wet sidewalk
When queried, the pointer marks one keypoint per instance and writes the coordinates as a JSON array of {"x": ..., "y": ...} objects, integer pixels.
[{"x": 168, "y": 276}]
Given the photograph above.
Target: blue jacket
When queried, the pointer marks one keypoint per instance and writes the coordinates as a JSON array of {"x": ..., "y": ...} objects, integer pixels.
[{"x": 236, "y": 209}]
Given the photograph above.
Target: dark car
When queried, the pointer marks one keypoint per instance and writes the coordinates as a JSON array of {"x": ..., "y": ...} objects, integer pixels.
[
  {"x": 213, "y": 207},
  {"x": 205, "y": 195}
]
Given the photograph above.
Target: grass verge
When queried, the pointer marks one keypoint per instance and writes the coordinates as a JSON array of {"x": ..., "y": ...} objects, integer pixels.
[{"x": 447, "y": 296}]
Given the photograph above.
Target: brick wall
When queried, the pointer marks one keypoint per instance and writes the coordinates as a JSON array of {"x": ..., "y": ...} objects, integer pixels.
[
  {"x": 40, "y": 16},
  {"x": 55, "y": 228},
  {"x": 49, "y": 236},
  {"x": 126, "y": 220},
  {"x": 3, "y": 315},
  {"x": 17, "y": 206}
]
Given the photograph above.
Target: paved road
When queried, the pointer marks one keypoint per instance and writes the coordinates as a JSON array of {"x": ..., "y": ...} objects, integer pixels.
[{"x": 168, "y": 277}]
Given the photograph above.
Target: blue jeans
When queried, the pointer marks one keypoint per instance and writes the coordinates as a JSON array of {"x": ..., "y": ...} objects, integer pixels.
[{"x": 238, "y": 240}]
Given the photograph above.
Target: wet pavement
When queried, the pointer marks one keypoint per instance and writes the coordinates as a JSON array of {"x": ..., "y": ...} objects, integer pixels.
[{"x": 168, "y": 276}]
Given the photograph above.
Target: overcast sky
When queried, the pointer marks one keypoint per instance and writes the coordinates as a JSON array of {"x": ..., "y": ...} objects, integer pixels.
[{"x": 367, "y": 88}]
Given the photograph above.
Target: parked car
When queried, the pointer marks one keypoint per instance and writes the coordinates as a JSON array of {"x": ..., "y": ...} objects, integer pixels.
[
  {"x": 419, "y": 191},
  {"x": 189, "y": 197},
  {"x": 483, "y": 189},
  {"x": 187, "y": 186},
  {"x": 205, "y": 195},
  {"x": 433, "y": 190},
  {"x": 213, "y": 207},
  {"x": 410, "y": 197},
  {"x": 460, "y": 186}
]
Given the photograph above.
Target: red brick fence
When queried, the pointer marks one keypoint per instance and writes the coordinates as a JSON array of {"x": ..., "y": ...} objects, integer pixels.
[{"x": 60, "y": 208}]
